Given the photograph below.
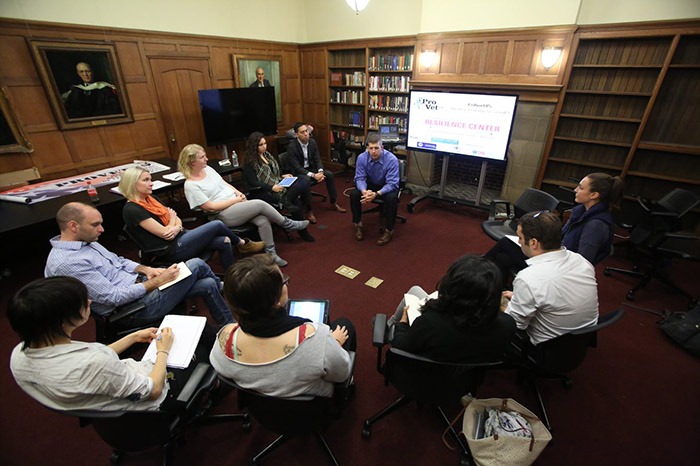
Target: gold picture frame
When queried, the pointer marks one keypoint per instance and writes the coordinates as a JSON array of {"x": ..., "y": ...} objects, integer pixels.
[
  {"x": 83, "y": 82},
  {"x": 244, "y": 67}
]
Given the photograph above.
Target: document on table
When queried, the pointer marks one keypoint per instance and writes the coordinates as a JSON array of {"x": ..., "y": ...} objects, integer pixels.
[
  {"x": 177, "y": 176},
  {"x": 184, "y": 273},
  {"x": 186, "y": 333},
  {"x": 414, "y": 305}
]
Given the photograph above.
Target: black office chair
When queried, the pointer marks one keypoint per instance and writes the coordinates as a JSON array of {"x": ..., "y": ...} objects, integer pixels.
[
  {"x": 424, "y": 381},
  {"x": 379, "y": 203},
  {"x": 299, "y": 415},
  {"x": 128, "y": 431},
  {"x": 531, "y": 200},
  {"x": 655, "y": 234},
  {"x": 285, "y": 167},
  {"x": 556, "y": 358}
]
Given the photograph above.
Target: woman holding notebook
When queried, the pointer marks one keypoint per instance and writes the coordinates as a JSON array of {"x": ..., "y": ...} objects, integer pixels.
[
  {"x": 463, "y": 323},
  {"x": 65, "y": 374},
  {"x": 262, "y": 173},
  {"x": 155, "y": 226}
]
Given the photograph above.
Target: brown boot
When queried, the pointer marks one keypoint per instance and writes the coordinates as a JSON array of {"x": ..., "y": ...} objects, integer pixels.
[
  {"x": 250, "y": 246},
  {"x": 385, "y": 238},
  {"x": 338, "y": 209},
  {"x": 310, "y": 217},
  {"x": 359, "y": 231}
]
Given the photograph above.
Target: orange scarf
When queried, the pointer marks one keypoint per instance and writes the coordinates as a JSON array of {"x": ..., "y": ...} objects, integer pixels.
[{"x": 156, "y": 208}]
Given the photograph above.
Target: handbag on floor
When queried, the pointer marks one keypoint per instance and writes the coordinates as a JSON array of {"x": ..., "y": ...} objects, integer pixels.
[
  {"x": 520, "y": 449},
  {"x": 684, "y": 329}
]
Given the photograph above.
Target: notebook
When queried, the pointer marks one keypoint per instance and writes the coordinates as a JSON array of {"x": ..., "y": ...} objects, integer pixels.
[{"x": 186, "y": 333}]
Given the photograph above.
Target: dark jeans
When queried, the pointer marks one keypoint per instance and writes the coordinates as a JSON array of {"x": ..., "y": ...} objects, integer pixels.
[
  {"x": 207, "y": 238},
  {"x": 391, "y": 205},
  {"x": 351, "y": 343},
  {"x": 508, "y": 257},
  {"x": 330, "y": 186}
]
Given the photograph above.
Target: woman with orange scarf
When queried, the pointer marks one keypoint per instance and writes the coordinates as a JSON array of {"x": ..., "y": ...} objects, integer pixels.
[{"x": 157, "y": 226}]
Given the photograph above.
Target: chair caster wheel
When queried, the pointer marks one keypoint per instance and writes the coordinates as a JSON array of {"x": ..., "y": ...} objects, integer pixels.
[
  {"x": 253, "y": 462},
  {"x": 567, "y": 383},
  {"x": 116, "y": 457},
  {"x": 630, "y": 296},
  {"x": 464, "y": 462},
  {"x": 366, "y": 433},
  {"x": 409, "y": 207},
  {"x": 247, "y": 426},
  {"x": 607, "y": 272}
]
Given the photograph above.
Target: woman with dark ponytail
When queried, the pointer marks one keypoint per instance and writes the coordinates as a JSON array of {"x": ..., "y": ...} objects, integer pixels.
[
  {"x": 463, "y": 323},
  {"x": 588, "y": 232}
]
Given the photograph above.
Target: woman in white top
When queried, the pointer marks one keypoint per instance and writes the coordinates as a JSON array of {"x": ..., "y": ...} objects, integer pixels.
[
  {"x": 70, "y": 375},
  {"x": 206, "y": 190}
]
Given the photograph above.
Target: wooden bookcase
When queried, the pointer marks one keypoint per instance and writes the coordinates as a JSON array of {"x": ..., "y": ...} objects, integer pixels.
[
  {"x": 629, "y": 108},
  {"x": 390, "y": 70},
  {"x": 347, "y": 94}
]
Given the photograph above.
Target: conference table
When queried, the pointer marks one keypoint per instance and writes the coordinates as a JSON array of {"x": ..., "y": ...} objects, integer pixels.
[{"x": 17, "y": 219}]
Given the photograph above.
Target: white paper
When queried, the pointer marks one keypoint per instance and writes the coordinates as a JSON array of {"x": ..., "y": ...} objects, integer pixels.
[
  {"x": 415, "y": 305},
  {"x": 177, "y": 176},
  {"x": 184, "y": 273},
  {"x": 186, "y": 333}
]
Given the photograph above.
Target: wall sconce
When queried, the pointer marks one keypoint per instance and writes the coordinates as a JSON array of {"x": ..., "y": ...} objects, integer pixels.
[
  {"x": 427, "y": 58},
  {"x": 357, "y": 5},
  {"x": 550, "y": 56}
]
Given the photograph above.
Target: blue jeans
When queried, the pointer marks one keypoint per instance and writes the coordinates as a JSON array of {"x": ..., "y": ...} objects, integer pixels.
[
  {"x": 201, "y": 284},
  {"x": 206, "y": 239}
]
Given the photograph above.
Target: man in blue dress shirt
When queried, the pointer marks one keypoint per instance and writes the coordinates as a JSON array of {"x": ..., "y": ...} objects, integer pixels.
[{"x": 376, "y": 177}]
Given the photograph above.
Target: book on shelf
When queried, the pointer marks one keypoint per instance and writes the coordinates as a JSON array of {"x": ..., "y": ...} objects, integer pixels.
[
  {"x": 381, "y": 62},
  {"x": 336, "y": 79}
]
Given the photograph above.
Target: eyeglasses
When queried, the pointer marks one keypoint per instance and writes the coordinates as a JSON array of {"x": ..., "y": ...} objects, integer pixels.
[{"x": 285, "y": 280}]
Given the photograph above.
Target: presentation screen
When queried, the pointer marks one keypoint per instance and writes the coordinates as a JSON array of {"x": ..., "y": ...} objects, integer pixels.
[{"x": 475, "y": 125}]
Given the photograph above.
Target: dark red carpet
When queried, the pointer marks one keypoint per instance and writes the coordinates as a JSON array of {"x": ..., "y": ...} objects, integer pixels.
[{"x": 635, "y": 400}]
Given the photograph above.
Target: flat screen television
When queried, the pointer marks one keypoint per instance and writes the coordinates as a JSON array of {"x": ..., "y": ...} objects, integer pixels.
[
  {"x": 462, "y": 123},
  {"x": 232, "y": 114}
]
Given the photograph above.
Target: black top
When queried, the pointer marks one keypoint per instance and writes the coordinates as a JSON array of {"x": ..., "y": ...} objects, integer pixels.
[
  {"x": 134, "y": 214},
  {"x": 433, "y": 335}
]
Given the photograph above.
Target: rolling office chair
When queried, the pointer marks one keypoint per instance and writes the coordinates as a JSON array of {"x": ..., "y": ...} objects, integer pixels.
[
  {"x": 655, "y": 234},
  {"x": 379, "y": 203},
  {"x": 530, "y": 200},
  {"x": 424, "y": 381},
  {"x": 556, "y": 358},
  {"x": 128, "y": 431},
  {"x": 297, "y": 415}
]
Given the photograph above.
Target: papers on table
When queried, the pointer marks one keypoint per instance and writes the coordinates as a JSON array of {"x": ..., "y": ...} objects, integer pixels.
[
  {"x": 184, "y": 273},
  {"x": 156, "y": 186},
  {"x": 414, "y": 304},
  {"x": 177, "y": 176},
  {"x": 186, "y": 333}
]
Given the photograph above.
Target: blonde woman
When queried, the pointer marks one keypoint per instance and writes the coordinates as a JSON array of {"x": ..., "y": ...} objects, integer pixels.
[
  {"x": 156, "y": 226},
  {"x": 206, "y": 190}
]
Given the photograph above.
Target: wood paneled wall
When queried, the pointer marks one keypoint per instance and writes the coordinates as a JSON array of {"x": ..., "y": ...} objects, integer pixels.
[{"x": 59, "y": 153}]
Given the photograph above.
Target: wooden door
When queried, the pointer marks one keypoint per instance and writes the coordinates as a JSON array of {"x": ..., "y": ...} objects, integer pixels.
[{"x": 177, "y": 81}]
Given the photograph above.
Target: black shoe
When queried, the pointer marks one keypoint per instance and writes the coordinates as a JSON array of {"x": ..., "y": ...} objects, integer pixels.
[{"x": 304, "y": 234}]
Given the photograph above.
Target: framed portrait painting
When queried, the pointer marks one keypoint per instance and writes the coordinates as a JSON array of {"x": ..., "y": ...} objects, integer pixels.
[
  {"x": 260, "y": 71},
  {"x": 12, "y": 138},
  {"x": 82, "y": 81}
]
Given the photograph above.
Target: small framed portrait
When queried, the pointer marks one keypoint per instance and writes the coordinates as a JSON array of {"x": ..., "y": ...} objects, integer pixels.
[
  {"x": 12, "y": 138},
  {"x": 260, "y": 71},
  {"x": 83, "y": 82}
]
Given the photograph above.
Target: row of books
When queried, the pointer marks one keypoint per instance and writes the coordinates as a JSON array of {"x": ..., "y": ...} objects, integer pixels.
[
  {"x": 388, "y": 102},
  {"x": 348, "y": 137},
  {"x": 356, "y": 119},
  {"x": 347, "y": 97},
  {"x": 376, "y": 120},
  {"x": 389, "y": 83},
  {"x": 358, "y": 78},
  {"x": 391, "y": 62}
]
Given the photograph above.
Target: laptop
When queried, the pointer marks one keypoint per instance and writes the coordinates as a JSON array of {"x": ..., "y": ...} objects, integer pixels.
[{"x": 389, "y": 133}]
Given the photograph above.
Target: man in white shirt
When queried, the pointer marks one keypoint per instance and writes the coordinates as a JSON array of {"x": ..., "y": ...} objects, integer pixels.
[{"x": 557, "y": 293}]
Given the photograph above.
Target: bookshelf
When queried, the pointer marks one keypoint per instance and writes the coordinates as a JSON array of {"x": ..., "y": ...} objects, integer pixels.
[
  {"x": 347, "y": 96},
  {"x": 629, "y": 108},
  {"x": 390, "y": 70}
]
